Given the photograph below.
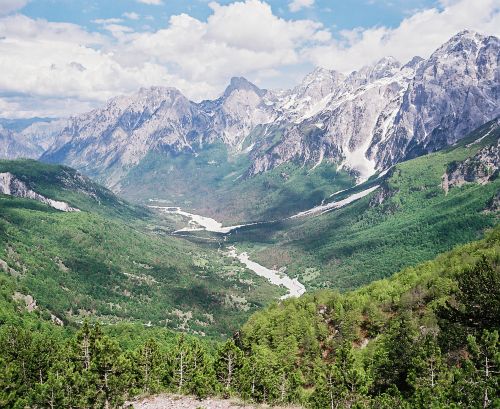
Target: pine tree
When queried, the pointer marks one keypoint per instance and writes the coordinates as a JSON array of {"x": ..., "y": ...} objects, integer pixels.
[
  {"x": 110, "y": 367},
  {"x": 478, "y": 382},
  {"x": 228, "y": 362},
  {"x": 429, "y": 376},
  {"x": 341, "y": 383},
  {"x": 474, "y": 306},
  {"x": 149, "y": 363},
  {"x": 190, "y": 369},
  {"x": 179, "y": 365},
  {"x": 393, "y": 357},
  {"x": 262, "y": 377}
]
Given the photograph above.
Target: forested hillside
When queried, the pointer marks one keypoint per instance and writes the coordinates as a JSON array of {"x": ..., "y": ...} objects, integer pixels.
[
  {"x": 427, "y": 337},
  {"x": 114, "y": 261}
]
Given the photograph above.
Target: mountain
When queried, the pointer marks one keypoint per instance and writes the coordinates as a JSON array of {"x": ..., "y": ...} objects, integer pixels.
[
  {"x": 359, "y": 124},
  {"x": 103, "y": 258},
  {"x": 11, "y": 185},
  {"x": 27, "y": 138},
  {"x": 107, "y": 142},
  {"x": 388, "y": 112},
  {"x": 419, "y": 208},
  {"x": 13, "y": 145},
  {"x": 30, "y": 179},
  {"x": 365, "y": 121}
]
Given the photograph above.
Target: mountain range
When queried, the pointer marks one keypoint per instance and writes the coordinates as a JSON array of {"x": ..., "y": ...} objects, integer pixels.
[{"x": 363, "y": 122}]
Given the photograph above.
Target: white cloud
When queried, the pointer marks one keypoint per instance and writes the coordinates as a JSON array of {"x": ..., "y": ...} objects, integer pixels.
[
  {"x": 53, "y": 61},
  {"x": 297, "y": 5},
  {"x": 8, "y": 6},
  {"x": 131, "y": 15},
  {"x": 238, "y": 39},
  {"x": 51, "y": 69},
  {"x": 151, "y": 2},
  {"x": 107, "y": 20},
  {"x": 58, "y": 61},
  {"x": 419, "y": 34}
]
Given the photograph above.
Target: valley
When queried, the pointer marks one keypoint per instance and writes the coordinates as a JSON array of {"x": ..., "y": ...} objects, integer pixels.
[
  {"x": 333, "y": 244},
  {"x": 202, "y": 223}
]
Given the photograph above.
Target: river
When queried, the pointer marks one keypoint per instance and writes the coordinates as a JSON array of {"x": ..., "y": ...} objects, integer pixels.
[
  {"x": 294, "y": 287},
  {"x": 200, "y": 223}
]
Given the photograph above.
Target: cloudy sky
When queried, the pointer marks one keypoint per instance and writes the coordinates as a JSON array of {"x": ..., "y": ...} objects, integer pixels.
[{"x": 60, "y": 57}]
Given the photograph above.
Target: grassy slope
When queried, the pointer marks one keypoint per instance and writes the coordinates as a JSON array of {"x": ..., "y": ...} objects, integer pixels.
[
  {"x": 66, "y": 184},
  {"x": 363, "y": 242},
  {"x": 95, "y": 263}
]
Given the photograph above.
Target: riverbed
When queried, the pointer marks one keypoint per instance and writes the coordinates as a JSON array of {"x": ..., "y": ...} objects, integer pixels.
[{"x": 200, "y": 223}]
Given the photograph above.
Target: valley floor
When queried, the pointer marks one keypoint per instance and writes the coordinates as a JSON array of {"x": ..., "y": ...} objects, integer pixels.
[{"x": 188, "y": 402}]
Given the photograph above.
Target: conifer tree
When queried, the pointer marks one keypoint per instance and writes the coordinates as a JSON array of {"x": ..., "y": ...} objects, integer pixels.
[
  {"x": 149, "y": 363},
  {"x": 228, "y": 362}
]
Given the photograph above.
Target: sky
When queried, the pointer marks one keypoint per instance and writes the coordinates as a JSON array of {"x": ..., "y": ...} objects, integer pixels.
[{"x": 63, "y": 57}]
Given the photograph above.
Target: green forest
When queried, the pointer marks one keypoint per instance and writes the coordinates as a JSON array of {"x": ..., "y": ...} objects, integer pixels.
[
  {"x": 426, "y": 337},
  {"x": 105, "y": 305}
]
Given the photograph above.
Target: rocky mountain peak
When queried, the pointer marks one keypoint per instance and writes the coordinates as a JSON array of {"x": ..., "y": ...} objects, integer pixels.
[
  {"x": 367, "y": 121},
  {"x": 414, "y": 62},
  {"x": 466, "y": 43},
  {"x": 320, "y": 74},
  {"x": 242, "y": 84},
  {"x": 385, "y": 67},
  {"x": 150, "y": 97}
]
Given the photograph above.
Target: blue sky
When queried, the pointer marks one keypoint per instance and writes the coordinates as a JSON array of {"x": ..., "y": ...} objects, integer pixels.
[
  {"x": 336, "y": 15},
  {"x": 62, "y": 57}
]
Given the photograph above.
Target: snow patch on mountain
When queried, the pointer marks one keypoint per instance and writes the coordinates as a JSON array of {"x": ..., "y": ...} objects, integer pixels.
[{"x": 366, "y": 121}]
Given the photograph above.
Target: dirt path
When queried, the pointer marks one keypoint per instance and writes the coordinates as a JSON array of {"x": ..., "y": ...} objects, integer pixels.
[{"x": 187, "y": 402}]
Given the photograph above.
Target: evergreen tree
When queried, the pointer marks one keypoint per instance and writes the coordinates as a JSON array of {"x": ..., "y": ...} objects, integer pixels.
[
  {"x": 190, "y": 368},
  {"x": 289, "y": 377},
  {"x": 478, "y": 382},
  {"x": 228, "y": 362},
  {"x": 261, "y": 377},
  {"x": 474, "y": 306},
  {"x": 341, "y": 383},
  {"x": 148, "y": 360},
  {"x": 111, "y": 376},
  {"x": 429, "y": 376},
  {"x": 393, "y": 357}
]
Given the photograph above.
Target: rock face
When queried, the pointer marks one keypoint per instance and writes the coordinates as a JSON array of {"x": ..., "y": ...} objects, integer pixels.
[
  {"x": 365, "y": 121},
  {"x": 481, "y": 168},
  {"x": 12, "y": 186},
  {"x": 386, "y": 113},
  {"x": 454, "y": 91},
  {"x": 119, "y": 135},
  {"x": 13, "y": 146},
  {"x": 237, "y": 112}
]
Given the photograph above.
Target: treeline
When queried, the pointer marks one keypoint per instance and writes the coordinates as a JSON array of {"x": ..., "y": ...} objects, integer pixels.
[{"x": 427, "y": 338}]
